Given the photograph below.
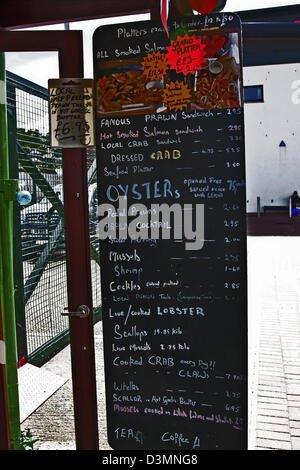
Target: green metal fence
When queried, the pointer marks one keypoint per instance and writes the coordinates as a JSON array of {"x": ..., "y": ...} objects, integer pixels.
[{"x": 40, "y": 265}]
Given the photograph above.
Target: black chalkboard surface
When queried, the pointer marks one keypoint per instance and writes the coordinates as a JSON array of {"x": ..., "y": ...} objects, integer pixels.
[{"x": 170, "y": 131}]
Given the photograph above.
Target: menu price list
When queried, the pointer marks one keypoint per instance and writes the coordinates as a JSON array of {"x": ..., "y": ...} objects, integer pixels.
[{"x": 174, "y": 319}]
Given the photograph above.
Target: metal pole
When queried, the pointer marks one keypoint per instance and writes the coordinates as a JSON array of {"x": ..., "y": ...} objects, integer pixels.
[
  {"x": 18, "y": 262},
  {"x": 4, "y": 427},
  {"x": 8, "y": 190},
  {"x": 258, "y": 206},
  {"x": 79, "y": 276}
]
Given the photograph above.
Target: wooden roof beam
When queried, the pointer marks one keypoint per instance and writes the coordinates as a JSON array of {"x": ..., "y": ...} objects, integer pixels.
[{"x": 30, "y": 13}]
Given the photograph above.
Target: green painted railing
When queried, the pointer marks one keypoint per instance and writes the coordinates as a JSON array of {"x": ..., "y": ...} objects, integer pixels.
[{"x": 39, "y": 262}]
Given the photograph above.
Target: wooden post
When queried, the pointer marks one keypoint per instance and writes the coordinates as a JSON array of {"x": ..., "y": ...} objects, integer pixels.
[{"x": 155, "y": 9}]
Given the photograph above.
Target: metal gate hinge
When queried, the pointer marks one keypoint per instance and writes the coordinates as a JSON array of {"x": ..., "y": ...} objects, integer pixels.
[
  {"x": 83, "y": 311},
  {"x": 9, "y": 189}
]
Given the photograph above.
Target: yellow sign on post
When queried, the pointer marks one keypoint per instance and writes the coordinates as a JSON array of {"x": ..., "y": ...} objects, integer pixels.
[{"x": 71, "y": 113}]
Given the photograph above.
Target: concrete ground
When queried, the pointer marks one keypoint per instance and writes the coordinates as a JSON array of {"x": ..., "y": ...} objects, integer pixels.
[
  {"x": 274, "y": 303},
  {"x": 53, "y": 422},
  {"x": 274, "y": 358}
]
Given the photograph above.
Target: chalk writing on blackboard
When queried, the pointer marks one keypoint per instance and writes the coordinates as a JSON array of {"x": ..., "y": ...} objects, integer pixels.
[{"x": 174, "y": 313}]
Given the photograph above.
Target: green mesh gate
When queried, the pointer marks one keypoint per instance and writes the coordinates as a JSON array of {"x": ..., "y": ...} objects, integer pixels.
[{"x": 40, "y": 266}]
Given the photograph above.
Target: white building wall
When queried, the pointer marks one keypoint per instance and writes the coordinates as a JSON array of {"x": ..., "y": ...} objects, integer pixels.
[{"x": 273, "y": 173}]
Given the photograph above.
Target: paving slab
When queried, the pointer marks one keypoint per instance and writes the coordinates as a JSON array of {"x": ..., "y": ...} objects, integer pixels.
[
  {"x": 271, "y": 378},
  {"x": 275, "y": 435},
  {"x": 270, "y": 360},
  {"x": 277, "y": 401},
  {"x": 294, "y": 424},
  {"x": 273, "y": 444},
  {"x": 291, "y": 358},
  {"x": 292, "y": 379},
  {"x": 294, "y": 413},
  {"x": 263, "y": 411},
  {"x": 271, "y": 394},
  {"x": 278, "y": 387},
  {"x": 272, "y": 368},
  {"x": 271, "y": 419},
  {"x": 295, "y": 443},
  {"x": 36, "y": 385},
  {"x": 293, "y": 370},
  {"x": 273, "y": 427},
  {"x": 293, "y": 389},
  {"x": 264, "y": 448},
  {"x": 293, "y": 404}
]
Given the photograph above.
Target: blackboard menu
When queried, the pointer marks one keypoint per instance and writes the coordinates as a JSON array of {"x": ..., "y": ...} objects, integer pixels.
[{"x": 171, "y": 179}]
